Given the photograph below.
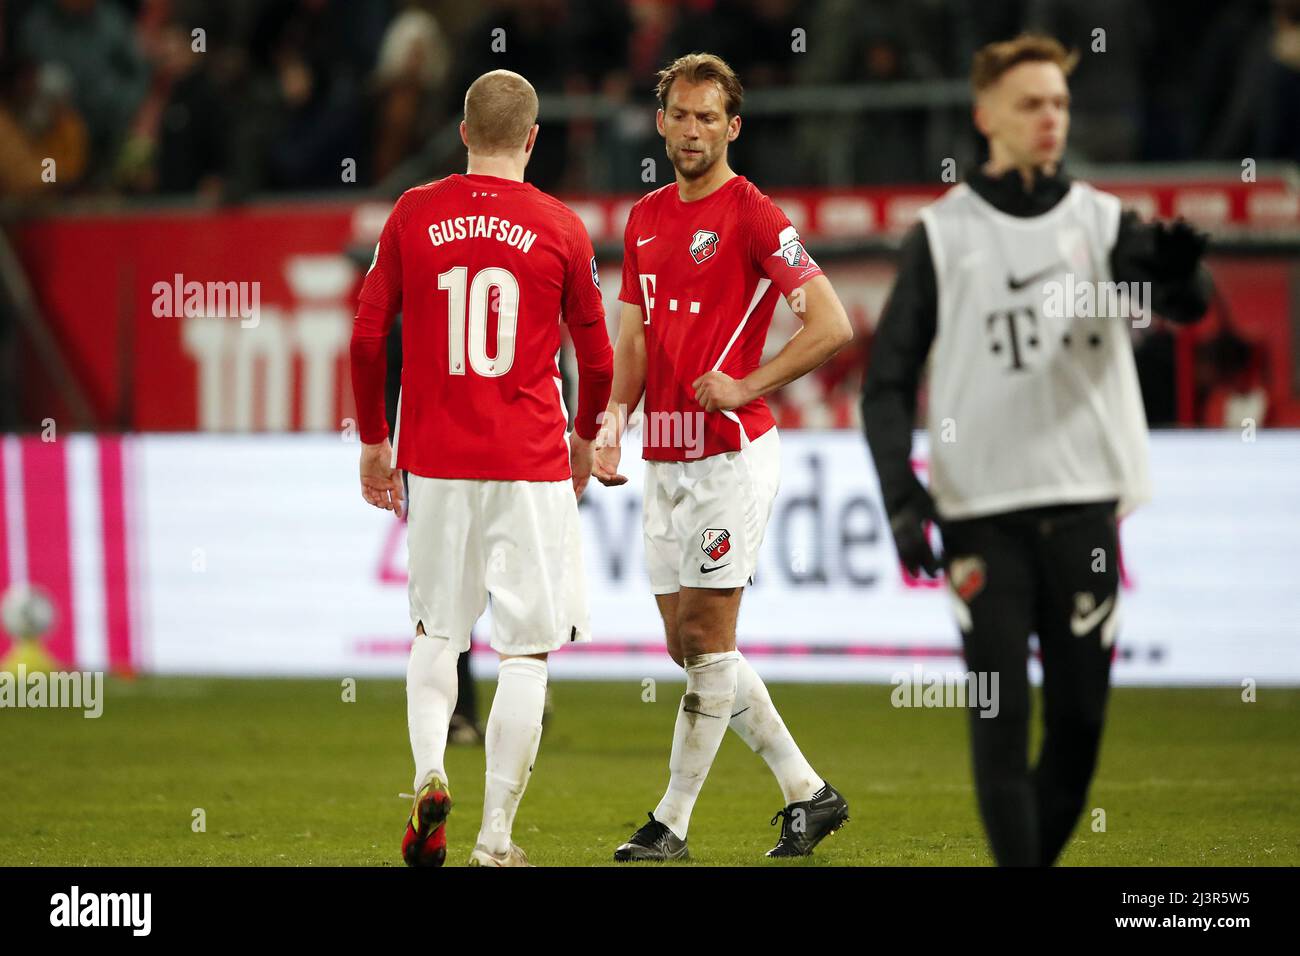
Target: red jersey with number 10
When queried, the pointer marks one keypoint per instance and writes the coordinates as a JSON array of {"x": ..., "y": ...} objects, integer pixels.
[
  {"x": 482, "y": 269},
  {"x": 706, "y": 275}
]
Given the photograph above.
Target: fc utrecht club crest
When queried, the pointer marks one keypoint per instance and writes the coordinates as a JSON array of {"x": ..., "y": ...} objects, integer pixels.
[
  {"x": 967, "y": 576},
  {"x": 703, "y": 245},
  {"x": 716, "y": 543},
  {"x": 795, "y": 255}
]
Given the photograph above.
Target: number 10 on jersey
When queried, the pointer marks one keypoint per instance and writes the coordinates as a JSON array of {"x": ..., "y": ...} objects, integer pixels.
[{"x": 454, "y": 281}]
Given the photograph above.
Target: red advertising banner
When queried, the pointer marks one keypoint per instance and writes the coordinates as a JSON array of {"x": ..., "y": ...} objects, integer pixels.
[
  {"x": 238, "y": 320},
  {"x": 229, "y": 321}
]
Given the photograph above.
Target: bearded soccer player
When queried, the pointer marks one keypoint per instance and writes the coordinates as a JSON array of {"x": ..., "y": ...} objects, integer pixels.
[
  {"x": 1047, "y": 440},
  {"x": 483, "y": 266},
  {"x": 704, "y": 261}
]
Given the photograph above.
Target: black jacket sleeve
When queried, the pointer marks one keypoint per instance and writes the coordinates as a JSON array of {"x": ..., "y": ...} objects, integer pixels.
[
  {"x": 899, "y": 351},
  {"x": 1181, "y": 286}
]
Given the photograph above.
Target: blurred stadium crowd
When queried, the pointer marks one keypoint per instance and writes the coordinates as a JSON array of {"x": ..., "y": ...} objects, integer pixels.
[
  {"x": 207, "y": 103},
  {"x": 115, "y": 91}
]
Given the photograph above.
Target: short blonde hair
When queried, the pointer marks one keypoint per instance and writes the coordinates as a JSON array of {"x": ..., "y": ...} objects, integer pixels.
[
  {"x": 500, "y": 109},
  {"x": 995, "y": 59},
  {"x": 702, "y": 68}
]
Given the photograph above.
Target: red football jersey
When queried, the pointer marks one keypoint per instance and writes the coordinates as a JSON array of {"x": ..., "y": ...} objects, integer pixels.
[
  {"x": 481, "y": 269},
  {"x": 706, "y": 275}
]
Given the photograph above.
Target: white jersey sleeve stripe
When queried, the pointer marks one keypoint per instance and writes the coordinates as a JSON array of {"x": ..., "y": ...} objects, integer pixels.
[{"x": 759, "y": 292}]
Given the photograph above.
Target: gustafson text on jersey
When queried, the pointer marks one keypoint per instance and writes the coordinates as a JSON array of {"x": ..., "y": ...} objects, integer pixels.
[{"x": 482, "y": 227}]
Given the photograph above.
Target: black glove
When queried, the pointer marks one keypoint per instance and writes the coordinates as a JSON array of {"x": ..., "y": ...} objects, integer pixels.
[
  {"x": 908, "y": 526},
  {"x": 1177, "y": 248}
]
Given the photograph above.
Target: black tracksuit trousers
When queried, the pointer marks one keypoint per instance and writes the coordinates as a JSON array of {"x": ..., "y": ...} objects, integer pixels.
[{"x": 1054, "y": 572}]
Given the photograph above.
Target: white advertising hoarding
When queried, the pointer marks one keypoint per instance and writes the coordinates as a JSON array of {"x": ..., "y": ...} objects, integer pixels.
[{"x": 256, "y": 555}]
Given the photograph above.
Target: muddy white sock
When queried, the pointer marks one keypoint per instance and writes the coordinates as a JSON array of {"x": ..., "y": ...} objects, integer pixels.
[
  {"x": 702, "y": 719},
  {"x": 759, "y": 725}
]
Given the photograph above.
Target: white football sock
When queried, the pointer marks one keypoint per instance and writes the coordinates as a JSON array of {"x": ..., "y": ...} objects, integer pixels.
[
  {"x": 514, "y": 730},
  {"x": 431, "y": 689},
  {"x": 757, "y": 722},
  {"x": 701, "y": 724}
]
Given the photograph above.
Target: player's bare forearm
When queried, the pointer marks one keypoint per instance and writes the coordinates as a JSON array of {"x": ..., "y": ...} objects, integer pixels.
[
  {"x": 826, "y": 330},
  {"x": 629, "y": 367},
  {"x": 581, "y": 460},
  {"x": 624, "y": 394}
]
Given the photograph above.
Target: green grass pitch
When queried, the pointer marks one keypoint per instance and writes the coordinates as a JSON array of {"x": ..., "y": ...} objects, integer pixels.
[{"x": 287, "y": 773}]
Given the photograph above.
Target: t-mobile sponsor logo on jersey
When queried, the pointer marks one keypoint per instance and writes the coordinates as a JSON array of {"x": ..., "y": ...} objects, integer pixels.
[{"x": 74, "y": 908}]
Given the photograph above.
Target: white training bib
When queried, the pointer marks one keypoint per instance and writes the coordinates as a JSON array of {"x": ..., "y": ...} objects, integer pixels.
[{"x": 1033, "y": 392}]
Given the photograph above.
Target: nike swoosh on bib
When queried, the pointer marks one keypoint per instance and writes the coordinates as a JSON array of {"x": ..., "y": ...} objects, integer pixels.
[
  {"x": 641, "y": 242},
  {"x": 1015, "y": 285}
]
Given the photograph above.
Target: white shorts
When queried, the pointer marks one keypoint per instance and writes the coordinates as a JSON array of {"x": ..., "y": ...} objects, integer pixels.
[
  {"x": 704, "y": 520},
  {"x": 516, "y": 542}
]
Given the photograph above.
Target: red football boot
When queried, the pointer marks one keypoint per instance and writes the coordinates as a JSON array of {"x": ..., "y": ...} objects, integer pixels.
[{"x": 425, "y": 843}]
